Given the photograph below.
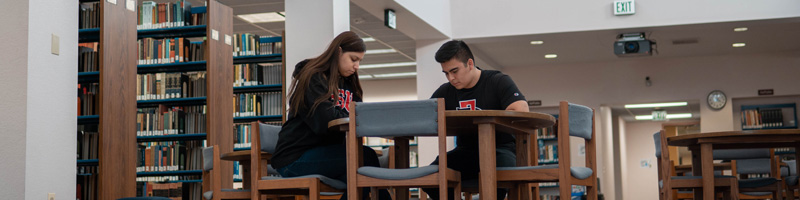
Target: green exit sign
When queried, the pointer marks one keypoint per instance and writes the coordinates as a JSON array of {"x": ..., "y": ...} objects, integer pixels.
[{"x": 624, "y": 7}]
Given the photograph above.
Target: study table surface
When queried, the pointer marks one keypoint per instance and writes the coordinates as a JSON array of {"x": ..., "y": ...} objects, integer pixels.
[
  {"x": 702, "y": 145},
  {"x": 484, "y": 123}
]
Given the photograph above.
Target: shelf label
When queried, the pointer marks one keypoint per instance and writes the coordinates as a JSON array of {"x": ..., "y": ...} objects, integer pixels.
[
  {"x": 112, "y": 2},
  {"x": 131, "y": 5},
  {"x": 214, "y": 34},
  {"x": 227, "y": 39}
]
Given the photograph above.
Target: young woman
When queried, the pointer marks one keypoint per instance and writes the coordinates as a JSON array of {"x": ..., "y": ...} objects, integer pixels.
[{"x": 323, "y": 88}]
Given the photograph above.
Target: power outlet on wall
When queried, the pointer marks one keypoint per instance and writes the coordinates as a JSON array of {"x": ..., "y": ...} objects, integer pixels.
[{"x": 51, "y": 196}]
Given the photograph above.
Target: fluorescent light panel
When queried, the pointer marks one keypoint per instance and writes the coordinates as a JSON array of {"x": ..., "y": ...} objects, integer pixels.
[
  {"x": 263, "y": 17},
  {"x": 537, "y": 42},
  {"x": 656, "y": 105},
  {"x": 550, "y": 56},
  {"x": 386, "y": 65},
  {"x": 740, "y": 29},
  {"x": 739, "y": 44},
  {"x": 368, "y": 39},
  {"x": 391, "y": 75},
  {"x": 380, "y": 51},
  {"x": 669, "y": 116}
]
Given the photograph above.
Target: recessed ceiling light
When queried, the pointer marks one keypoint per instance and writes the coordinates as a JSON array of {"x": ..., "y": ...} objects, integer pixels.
[
  {"x": 537, "y": 42},
  {"x": 550, "y": 56},
  {"x": 380, "y": 51},
  {"x": 740, "y": 29},
  {"x": 264, "y": 17},
  {"x": 669, "y": 116},
  {"x": 368, "y": 39},
  {"x": 385, "y": 65},
  {"x": 742, "y": 44},
  {"x": 656, "y": 105}
]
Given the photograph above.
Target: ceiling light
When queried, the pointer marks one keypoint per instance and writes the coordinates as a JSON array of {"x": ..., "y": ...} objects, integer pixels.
[
  {"x": 669, "y": 116},
  {"x": 380, "y": 51},
  {"x": 368, "y": 39},
  {"x": 740, "y": 29},
  {"x": 656, "y": 105},
  {"x": 264, "y": 17},
  {"x": 537, "y": 42},
  {"x": 385, "y": 65},
  {"x": 403, "y": 74},
  {"x": 738, "y": 44},
  {"x": 550, "y": 56}
]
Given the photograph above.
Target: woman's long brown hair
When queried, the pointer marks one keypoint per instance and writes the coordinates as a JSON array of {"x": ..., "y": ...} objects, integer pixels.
[{"x": 326, "y": 64}]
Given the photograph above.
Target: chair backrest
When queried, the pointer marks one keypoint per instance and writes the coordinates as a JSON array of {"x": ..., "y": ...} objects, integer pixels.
[
  {"x": 736, "y": 154},
  {"x": 791, "y": 170},
  {"x": 208, "y": 158},
  {"x": 269, "y": 137},
  {"x": 657, "y": 139},
  {"x": 754, "y": 166},
  {"x": 398, "y": 118},
  {"x": 580, "y": 121}
]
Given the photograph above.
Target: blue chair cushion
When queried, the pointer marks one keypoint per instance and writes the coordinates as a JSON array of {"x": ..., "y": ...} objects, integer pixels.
[
  {"x": 269, "y": 137},
  {"x": 791, "y": 180},
  {"x": 657, "y": 139},
  {"x": 756, "y": 182},
  {"x": 336, "y": 184},
  {"x": 580, "y": 121},
  {"x": 210, "y": 194},
  {"x": 757, "y": 193},
  {"x": 208, "y": 158},
  {"x": 406, "y": 118},
  {"x": 661, "y": 182},
  {"x": 735, "y": 154},
  {"x": 791, "y": 170},
  {"x": 398, "y": 174},
  {"x": 577, "y": 172},
  {"x": 753, "y": 166},
  {"x": 145, "y": 198}
]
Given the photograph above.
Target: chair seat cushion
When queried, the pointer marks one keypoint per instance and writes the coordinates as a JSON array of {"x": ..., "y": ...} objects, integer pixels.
[
  {"x": 661, "y": 182},
  {"x": 757, "y": 193},
  {"x": 398, "y": 174},
  {"x": 791, "y": 180},
  {"x": 210, "y": 194},
  {"x": 577, "y": 172},
  {"x": 756, "y": 182},
  {"x": 336, "y": 184}
]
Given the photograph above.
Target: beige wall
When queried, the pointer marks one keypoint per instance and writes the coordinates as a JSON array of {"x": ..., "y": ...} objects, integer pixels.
[
  {"x": 640, "y": 183},
  {"x": 389, "y": 90}
]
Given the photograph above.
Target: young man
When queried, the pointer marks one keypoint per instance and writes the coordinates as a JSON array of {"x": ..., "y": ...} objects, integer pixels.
[{"x": 471, "y": 88}]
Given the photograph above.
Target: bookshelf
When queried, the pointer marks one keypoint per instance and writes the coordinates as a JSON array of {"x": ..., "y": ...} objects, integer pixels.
[
  {"x": 765, "y": 112},
  {"x": 185, "y": 61},
  {"x": 107, "y": 69}
]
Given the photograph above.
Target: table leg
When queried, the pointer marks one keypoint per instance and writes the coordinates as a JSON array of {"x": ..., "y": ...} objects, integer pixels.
[
  {"x": 245, "y": 174},
  {"x": 488, "y": 161},
  {"x": 796, "y": 157},
  {"x": 401, "y": 157},
  {"x": 707, "y": 159},
  {"x": 696, "y": 169}
]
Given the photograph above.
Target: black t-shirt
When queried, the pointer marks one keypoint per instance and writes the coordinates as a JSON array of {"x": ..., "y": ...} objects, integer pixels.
[
  {"x": 303, "y": 131},
  {"x": 494, "y": 91}
]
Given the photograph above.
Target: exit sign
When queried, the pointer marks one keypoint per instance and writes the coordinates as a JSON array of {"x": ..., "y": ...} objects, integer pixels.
[
  {"x": 659, "y": 115},
  {"x": 624, "y": 8}
]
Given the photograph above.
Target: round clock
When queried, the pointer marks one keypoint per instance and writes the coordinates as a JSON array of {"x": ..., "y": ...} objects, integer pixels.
[{"x": 717, "y": 99}]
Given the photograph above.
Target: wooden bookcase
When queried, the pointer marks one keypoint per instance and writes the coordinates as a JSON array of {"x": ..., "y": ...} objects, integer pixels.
[{"x": 115, "y": 119}]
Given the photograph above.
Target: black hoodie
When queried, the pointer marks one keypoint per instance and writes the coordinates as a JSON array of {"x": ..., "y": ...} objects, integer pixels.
[{"x": 303, "y": 131}]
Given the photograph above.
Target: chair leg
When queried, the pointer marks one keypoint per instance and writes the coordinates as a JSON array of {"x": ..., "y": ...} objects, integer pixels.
[
  {"x": 778, "y": 192},
  {"x": 457, "y": 191},
  {"x": 565, "y": 191},
  {"x": 591, "y": 192}
]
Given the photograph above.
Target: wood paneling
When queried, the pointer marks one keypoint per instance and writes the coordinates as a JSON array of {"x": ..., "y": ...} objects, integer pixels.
[
  {"x": 117, "y": 141},
  {"x": 220, "y": 84}
]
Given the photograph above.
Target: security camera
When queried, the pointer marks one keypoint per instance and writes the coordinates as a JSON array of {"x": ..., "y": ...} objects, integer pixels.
[{"x": 633, "y": 44}]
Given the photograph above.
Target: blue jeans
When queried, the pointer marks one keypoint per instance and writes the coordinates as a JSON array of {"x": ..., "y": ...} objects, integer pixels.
[{"x": 330, "y": 161}]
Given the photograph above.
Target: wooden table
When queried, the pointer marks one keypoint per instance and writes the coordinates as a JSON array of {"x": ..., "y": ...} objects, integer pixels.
[
  {"x": 243, "y": 157},
  {"x": 484, "y": 123},
  {"x": 702, "y": 145}
]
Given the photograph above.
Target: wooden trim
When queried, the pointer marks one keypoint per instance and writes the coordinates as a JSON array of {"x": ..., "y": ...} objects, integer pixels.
[
  {"x": 352, "y": 157},
  {"x": 539, "y": 175},
  {"x": 219, "y": 90},
  {"x": 564, "y": 175},
  {"x": 257, "y": 171},
  {"x": 117, "y": 102},
  {"x": 442, "y": 138},
  {"x": 285, "y": 95}
]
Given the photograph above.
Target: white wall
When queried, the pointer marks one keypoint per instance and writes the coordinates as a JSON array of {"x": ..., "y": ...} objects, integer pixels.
[
  {"x": 436, "y": 13},
  {"x": 13, "y": 83},
  {"x": 478, "y": 18},
  {"x": 389, "y": 90},
  {"x": 51, "y": 121},
  {"x": 642, "y": 183}
]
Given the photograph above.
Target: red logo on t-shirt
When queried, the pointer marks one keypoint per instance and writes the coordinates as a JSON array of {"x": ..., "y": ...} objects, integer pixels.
[
  {"x": 467, "y": 105},
  {"x": 344, "y": 99}
]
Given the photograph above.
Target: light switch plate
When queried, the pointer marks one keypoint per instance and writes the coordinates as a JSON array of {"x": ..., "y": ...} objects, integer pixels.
[
  {"x": 51, "y": 196},
  {"x": 54, "y": 47}
]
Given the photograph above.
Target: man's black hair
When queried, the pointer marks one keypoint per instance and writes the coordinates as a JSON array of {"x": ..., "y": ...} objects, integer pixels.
[{"x": 454, "y": 49}]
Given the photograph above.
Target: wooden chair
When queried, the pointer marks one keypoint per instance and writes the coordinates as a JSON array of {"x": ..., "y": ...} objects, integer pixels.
[
  {"x": 573, "y": 120},
  {"x": 668, "y": 183},
  {"x": 313, "y": 187},
  {"x": 788, "y": 173},
  {"x": 212, "y": 178},
  {"x": 398, "y": 119},
  {"x": 754, "y": 161}
]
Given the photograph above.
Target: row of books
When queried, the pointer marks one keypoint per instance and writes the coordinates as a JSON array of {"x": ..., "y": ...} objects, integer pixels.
[
  {"x": 377, "y": 141},
  {"x": 88, "y": 59},
  {"x": 762, "y": 118},
  {"x": 87, "y": 144},
  {"x": 170, "y": 85},
  {"x": 242, "y": 136},
  {"x": 86, "y": 183},
  {"x": 165, "y": 179},
  {"x": 545, "y": 133},
  {"x": 89, "y": 16},
  {"x": 152, "y": 189},
  {"x": 88, "y": 98},
  {"x": 548, "y": 153},
  {"x": 170, "y": 156},
  {"x": 152, "y": 15},
  {"x": 170, "y": 121},
  {"x": 257, "y": 104},
  {"x": 257, "y": 74},
  {"x": 169, "y": 50},
  {"x": 246, "y": 44}
]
